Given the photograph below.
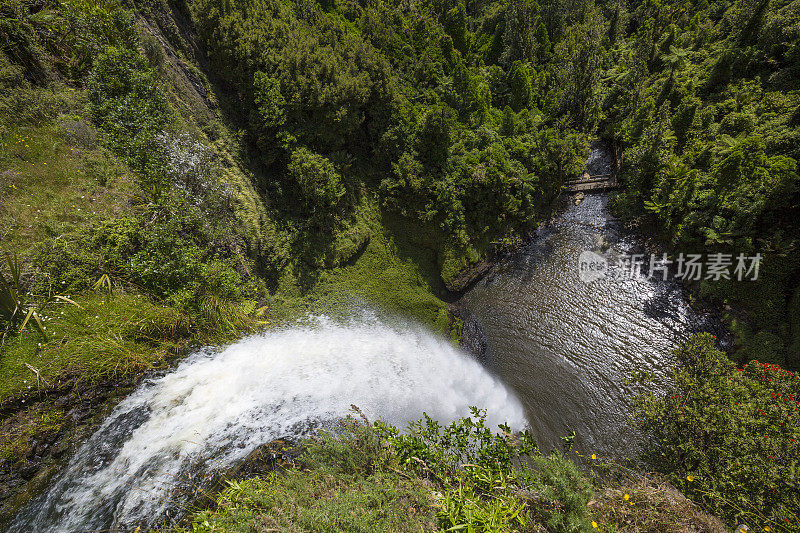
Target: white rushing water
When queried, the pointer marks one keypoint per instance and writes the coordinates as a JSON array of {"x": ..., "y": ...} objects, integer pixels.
[{"x": 216, "y": 407}]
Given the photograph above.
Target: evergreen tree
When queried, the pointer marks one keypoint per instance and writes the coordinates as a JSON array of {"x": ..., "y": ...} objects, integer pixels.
[{"x": 520, "y": 85}]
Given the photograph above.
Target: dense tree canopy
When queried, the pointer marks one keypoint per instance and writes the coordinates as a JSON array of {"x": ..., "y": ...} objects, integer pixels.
[
  {"x": 703, "y": 98},
  {"x": 403, "y": 99}
]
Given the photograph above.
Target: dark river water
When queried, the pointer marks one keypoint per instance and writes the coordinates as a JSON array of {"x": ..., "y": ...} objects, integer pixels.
[{"x": 566, "y": 347}]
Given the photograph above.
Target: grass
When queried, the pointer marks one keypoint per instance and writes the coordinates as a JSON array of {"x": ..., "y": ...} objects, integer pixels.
[
  {"x": 21, "y": 434},
  {"x": 381, "y": 268},
  {"x": 52, "y": 186},
  {"x": 380, "y": 275},
  {"x": 55, "y": 179},
  {"x": 109, "y": 336},
  {"x": 650, "y": 505},
  {"x": 315, "y": 500}
]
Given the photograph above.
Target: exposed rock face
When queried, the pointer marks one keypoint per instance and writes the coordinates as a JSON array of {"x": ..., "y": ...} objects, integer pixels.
[
  {"x": 83, "y": 405},
  {"x": 275, "y": 455},
  {"x": 473, "y": 337}
]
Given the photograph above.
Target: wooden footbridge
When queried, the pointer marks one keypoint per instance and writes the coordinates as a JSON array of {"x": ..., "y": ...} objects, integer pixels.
[
  {"x": 587, "y": 183},
  {"x": 598, "y": 182}
]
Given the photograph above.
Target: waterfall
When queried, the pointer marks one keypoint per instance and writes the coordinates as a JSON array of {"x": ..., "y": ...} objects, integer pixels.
[{"x": 219, "y": 405}]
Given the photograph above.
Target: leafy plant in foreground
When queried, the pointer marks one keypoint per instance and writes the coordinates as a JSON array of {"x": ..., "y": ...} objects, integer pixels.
[
  {"x": 11, "y": 298},
  {"x": 492, "y": 481}
]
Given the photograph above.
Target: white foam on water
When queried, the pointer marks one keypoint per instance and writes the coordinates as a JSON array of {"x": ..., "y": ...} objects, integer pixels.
[{"x": 216, "y": 407}]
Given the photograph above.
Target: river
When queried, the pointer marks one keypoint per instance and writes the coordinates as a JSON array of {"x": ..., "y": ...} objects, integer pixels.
[
  {"x": 568, "y": 345},
  {"x": 568, "y": 348}
]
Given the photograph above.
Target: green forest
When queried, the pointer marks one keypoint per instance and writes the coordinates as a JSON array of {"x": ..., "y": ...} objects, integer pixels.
[{"x": 176, "y": 173}]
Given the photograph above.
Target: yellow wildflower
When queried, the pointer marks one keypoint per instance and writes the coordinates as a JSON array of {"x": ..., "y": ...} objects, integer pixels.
[
  {"x": 594, "y": 524},
  {"x": 594, "y": 456},
  {"x": 690, "y": 478},
  {"x": 627, "y": 497}
]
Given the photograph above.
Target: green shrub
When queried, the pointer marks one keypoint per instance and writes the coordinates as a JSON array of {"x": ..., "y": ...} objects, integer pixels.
[
  {"x": 352, "y": 447},
  {"x": 444, "y": 450},
  {"x": 319, "y": 183},
  {"x": 729, "y": 437},
  {"x": 492, "y": 481},
  {"x": 463, "y": 508},
  {"x": 315, "y": 501},
  {"x": 128, "y": 103},
  {"x": 562, "y": 490},
  {"x": 168, "y": 257}
]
